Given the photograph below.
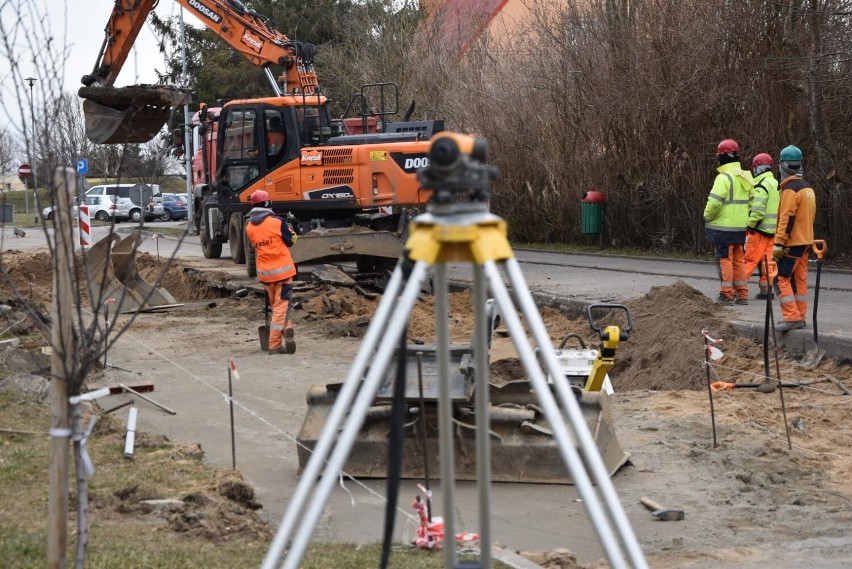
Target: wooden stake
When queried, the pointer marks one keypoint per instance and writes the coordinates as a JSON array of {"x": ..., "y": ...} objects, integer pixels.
[{"x": 62, "y": 341}]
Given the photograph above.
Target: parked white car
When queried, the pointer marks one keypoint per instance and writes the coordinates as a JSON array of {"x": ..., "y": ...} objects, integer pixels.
[
  {"x": 131, "y": 197},
  {"x": 102, "y": 208}
]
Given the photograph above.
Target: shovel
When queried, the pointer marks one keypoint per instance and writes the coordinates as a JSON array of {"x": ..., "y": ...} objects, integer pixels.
[
  {"x": 767, "y": 386},
  {"x": 812, "y": 358},
  {"x": 263, "y": 331}
]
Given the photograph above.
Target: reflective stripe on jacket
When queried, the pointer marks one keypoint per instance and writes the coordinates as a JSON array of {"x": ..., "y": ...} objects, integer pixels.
[
  {"x": 728, "y": 202},
  {"x": 796, "y": 213},
  {"x": 763, "y": 212},
  {"x": 273, "y": 259}
]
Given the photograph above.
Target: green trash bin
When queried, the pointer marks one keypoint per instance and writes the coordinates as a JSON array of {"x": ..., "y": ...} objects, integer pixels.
[{"x": 591, "y": 220}]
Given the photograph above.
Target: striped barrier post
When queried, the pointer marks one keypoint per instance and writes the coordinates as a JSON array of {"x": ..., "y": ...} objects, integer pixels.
[{"x": 85, "y": 226}]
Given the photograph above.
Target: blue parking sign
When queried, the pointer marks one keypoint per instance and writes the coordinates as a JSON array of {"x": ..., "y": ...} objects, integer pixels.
[{"x": 82, "y": 166}]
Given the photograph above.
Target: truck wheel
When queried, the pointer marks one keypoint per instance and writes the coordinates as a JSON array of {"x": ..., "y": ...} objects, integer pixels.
[
  {"x": 210, "y": 250},
  {"x": 236, "y": 238},
  {"x": 251, "y": 259}
]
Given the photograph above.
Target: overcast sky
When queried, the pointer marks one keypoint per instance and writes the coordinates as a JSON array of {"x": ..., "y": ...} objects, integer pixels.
[
  {"x": 85, "y": 33},
  {"x": 80, "y": 24}
]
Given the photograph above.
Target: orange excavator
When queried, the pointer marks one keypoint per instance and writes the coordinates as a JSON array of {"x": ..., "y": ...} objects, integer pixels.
[{"x": 348, "y": 184}]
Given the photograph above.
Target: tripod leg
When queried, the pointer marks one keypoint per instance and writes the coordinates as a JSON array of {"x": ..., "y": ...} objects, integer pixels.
[
  {"x": 325, "y": 442},
  {"x": 575, "y": 414},
  {"x": 555, "y": 418},
  {"x": 445, "y": 414},
  {"x": 357, "y": 412},
  {"x": 482, "y": 330}
]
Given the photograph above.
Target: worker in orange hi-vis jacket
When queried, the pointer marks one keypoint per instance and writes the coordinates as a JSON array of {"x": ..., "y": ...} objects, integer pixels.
[
  {"x": 272, "y": 237},
  {"x": 793, "y": 239},
  {"x": 762, "y": 219}
]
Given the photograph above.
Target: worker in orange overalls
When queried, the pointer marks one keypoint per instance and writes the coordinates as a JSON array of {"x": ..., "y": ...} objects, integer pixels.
[
  {"x": 793, "y": 239},
  {"x": 272, "y": 238},
  {"x": 762, "y": 219}
]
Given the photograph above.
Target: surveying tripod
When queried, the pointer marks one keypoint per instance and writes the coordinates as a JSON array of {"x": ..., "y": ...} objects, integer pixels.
[{"x": 452, "y": 231}]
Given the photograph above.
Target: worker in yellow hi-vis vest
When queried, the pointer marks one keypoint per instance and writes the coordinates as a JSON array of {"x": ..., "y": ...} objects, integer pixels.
[{"x": 725, "y": 222}]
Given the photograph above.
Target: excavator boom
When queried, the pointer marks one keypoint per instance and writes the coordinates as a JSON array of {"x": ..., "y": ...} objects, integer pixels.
[{"x": 137, "y": 113}]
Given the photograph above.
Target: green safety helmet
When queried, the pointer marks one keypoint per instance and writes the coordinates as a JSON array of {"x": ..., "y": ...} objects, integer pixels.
[{"x": 791, "y": 154}]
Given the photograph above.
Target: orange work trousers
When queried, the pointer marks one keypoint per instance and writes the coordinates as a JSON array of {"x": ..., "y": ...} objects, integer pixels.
[
  {"x": 730, "y": 262},
  {"x": 757, "y": 245},
  {"x": 279, "y": 294},
  {"x": 793, "y": 284}
]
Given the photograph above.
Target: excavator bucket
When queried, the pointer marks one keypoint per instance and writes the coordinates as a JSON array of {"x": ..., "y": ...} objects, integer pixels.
[
  {"x": 128, "y": 114},
  {"x": 111, "y": 266},
  {"x": 523, "y": 448}
]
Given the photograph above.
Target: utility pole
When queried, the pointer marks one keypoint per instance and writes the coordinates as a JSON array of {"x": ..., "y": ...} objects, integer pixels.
[
  {"x": 61, "y": 362},
  {"x": 31, "y": 81},
  {"x": 187, "y": 146}
]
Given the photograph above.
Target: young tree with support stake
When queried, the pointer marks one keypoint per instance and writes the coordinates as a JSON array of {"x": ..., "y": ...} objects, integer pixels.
[{"x": 78, "y": 337}]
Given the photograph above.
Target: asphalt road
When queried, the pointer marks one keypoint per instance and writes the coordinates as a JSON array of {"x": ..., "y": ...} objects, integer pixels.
[{"x": 581, "y": 278}]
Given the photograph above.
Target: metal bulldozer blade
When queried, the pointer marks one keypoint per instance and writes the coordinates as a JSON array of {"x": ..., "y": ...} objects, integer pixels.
[
  {"x": 523, "y": 448},
  {"x": 111, "y": 267},
  {"x": 128, "y": 114}
]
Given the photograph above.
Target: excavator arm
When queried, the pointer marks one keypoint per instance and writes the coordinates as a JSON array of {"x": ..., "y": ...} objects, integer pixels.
[{"x": 137, "y": 113}]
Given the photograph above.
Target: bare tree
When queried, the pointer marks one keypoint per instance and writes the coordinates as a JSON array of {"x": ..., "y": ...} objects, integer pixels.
[
  {"x": 6, "y": 153},
  {"x": 79, "y": 336},
  {"x": 630, "y": 98}
]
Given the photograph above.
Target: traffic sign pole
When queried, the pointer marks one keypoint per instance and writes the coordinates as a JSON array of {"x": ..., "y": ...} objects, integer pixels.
[{"x": 24, "y": 171}]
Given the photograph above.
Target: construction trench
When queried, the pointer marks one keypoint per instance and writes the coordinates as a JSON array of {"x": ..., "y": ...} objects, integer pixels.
[{"x": 744, "y": 499}]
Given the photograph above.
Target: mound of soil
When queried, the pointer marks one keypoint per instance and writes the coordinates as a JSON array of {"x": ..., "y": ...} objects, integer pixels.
[{"x": 666, "y": 348}]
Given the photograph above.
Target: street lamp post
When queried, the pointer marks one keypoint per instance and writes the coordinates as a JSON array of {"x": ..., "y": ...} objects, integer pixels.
[
  {"x": 31, "y": 81},
  {"x": 141, "y": 205}
]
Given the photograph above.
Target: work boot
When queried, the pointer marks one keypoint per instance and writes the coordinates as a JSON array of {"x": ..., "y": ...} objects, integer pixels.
[
  {"x": 289, "y": 341},
  {"x": 788, "y": 325},
  {"x": 763, "y": 294},
  {"x": 740, "y": 301},
  {"x": 724, "y": 300}
]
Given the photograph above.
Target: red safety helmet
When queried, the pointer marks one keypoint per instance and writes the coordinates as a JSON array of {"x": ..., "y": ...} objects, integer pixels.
[
  {"x": 728, "y": 146},
  {"x": 259, "y": 196},
  {"x": 762, "y": 159}
]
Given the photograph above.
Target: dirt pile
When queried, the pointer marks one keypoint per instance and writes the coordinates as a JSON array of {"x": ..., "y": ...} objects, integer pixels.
[
  {"x": 343, "y": 311},
  {"x": 175, "y": 279},
  {"x": 665, "y": 351},
  {"x": 666, "y": 348},
  {"x": 30, "y": 275},
  {"x": 219, "y": 507}
]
